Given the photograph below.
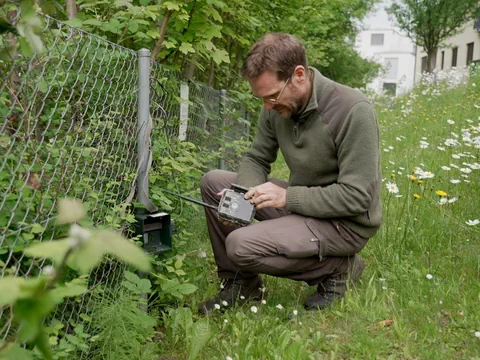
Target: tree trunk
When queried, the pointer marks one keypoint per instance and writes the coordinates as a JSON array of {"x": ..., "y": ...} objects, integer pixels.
[
  {"x": 71, "y": 9},
  {"x": 163, "y": 30},
  {"x": 189, "y": 69},
  {"x": 211, "y": 74},
  {"x": 431, "y": 60}
]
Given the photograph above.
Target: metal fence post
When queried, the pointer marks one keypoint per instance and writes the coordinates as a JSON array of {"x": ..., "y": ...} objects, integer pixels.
[
  {"x": 223, "y": 117},
  {"x": 143, "y": 121},
  {"x": 184, "y": 92}
]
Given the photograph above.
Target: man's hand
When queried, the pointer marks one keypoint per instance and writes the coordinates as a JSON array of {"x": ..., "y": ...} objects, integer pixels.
[{"x": 267, "y": 195}]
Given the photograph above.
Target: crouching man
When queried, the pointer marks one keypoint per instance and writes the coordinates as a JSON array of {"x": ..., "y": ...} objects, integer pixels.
[{"x": 312, "y": 226}]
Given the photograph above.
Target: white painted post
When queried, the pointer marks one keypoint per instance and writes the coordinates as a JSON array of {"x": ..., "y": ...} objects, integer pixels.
[{"x": 182, "y": 131}]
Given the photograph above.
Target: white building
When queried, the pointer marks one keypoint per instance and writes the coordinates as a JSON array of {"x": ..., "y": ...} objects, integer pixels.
[
  {"x": 382, "y": 42},
  {"x": 457, "y": 51}
]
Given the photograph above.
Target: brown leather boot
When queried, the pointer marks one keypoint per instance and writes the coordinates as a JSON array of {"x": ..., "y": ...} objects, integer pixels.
[
  {"x": 335, "y": 286},
  {"x": 234, "y": 292}
]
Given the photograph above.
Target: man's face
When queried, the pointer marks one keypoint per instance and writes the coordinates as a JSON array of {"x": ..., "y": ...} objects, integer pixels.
[{"x": 277, "y": 95}]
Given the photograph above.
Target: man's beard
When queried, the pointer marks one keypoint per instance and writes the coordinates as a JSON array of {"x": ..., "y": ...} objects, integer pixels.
[{"x": 288, "y": 111}]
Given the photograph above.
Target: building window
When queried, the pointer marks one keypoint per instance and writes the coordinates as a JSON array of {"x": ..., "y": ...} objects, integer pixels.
[
  {"x": 390, "y": 88},
  {"x": 454, "y": 56},
  {"x": 377, "y": 39},
  {"x": 391, "y": 65},
  {"x": 469, "y": 53},
  {"x": 424, "y": 64},
  {"x": 443, "y": 59}
]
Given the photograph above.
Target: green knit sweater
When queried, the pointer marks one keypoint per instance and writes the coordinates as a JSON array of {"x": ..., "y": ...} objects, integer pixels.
[{"x": 333, "y": 153}]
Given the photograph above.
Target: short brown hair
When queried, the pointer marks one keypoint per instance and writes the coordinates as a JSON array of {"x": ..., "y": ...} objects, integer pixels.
[{"x": 277, "y": 52}]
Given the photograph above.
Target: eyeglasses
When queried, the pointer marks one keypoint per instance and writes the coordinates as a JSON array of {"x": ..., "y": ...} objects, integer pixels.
[{"x": 276, "y": 101}]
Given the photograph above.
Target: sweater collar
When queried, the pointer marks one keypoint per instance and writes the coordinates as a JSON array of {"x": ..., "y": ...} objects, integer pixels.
[{"x": 320, "y": 83}]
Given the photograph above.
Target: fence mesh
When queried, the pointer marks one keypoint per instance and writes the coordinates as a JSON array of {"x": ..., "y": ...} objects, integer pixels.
[{"x": 69, "y": 129}]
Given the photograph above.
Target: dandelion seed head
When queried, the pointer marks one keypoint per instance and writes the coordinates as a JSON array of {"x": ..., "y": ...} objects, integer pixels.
[{"x": 429, "y": 276}]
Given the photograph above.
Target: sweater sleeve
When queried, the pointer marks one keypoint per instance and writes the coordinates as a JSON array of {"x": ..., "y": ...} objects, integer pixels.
[
  {"x": 255, "y": 165},
  {"x": 358, "y": 153}
]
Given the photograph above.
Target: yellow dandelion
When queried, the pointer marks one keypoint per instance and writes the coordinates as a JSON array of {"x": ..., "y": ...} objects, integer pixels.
[
  {"x": 413, "y": 178},
  {"x": 441, "y": 193},
  {"x": 420, "y": 181},
  {"x": 416, "y": 196}
]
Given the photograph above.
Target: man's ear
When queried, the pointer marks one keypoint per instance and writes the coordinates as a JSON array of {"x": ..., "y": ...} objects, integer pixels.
[{"x": 300, "y": 73}]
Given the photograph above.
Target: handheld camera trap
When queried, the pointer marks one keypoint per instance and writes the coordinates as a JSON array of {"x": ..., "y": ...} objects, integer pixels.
[{"x": 234, "y": 208}]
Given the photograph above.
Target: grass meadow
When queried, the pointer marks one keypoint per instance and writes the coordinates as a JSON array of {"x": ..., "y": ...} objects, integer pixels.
[{"x": 419, "y": 297}]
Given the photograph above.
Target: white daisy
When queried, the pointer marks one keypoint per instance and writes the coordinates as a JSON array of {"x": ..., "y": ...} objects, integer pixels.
[
  {"x": 392, "y": 188},
  {"x": 472, "y": 222}
]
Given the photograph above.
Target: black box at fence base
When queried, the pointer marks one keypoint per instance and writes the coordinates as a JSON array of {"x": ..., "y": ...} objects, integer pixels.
[{"x": 155, "y": 230}]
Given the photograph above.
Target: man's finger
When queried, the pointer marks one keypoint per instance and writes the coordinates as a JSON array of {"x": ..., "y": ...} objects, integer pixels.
[
  {"x": 260, "y": 199},
  {"x": 250, "y": 193},
  {"x": 265, "y": 204},
  {"x": 220, "y": 194}
]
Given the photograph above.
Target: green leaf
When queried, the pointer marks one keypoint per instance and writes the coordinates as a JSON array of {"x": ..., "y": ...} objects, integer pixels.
[
  {"x": 171, "y": 5},
  {"x": 88, "y": 255},
  {"x": 169, "y": 44},
  {"x": 186, "y": 289},
  {"x": 43, "y": 85},
  {"x": 75, "y": 22},
  {"x": 186, "y": 48},
  {"x": 201, "y": 335},
  {"x": 73, "y": 288},
  {"x": 133, "y": 27},
  {"x": 37, "y": 229},
  {"x": 8, "y": 53},
  {"x": 132, "y": 277},
  {"x": 54, "y": 250},
  {"x": 93, "y": 22},
  {"x": 14, "y": 351},
  {"x": 123, "y": 249},
  {"x": 220, "y": 56},
  {"x": 25, "y": 48},
  {"x": 154, "y": 34},
  {"x": 70, "y": 211},
  {"x": 30, "y": 26},
  {"x": 10, "y": 289}
]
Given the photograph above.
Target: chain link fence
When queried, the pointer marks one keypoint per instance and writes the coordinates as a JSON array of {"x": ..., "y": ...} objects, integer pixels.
[{"x": 69, "y": 128}]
